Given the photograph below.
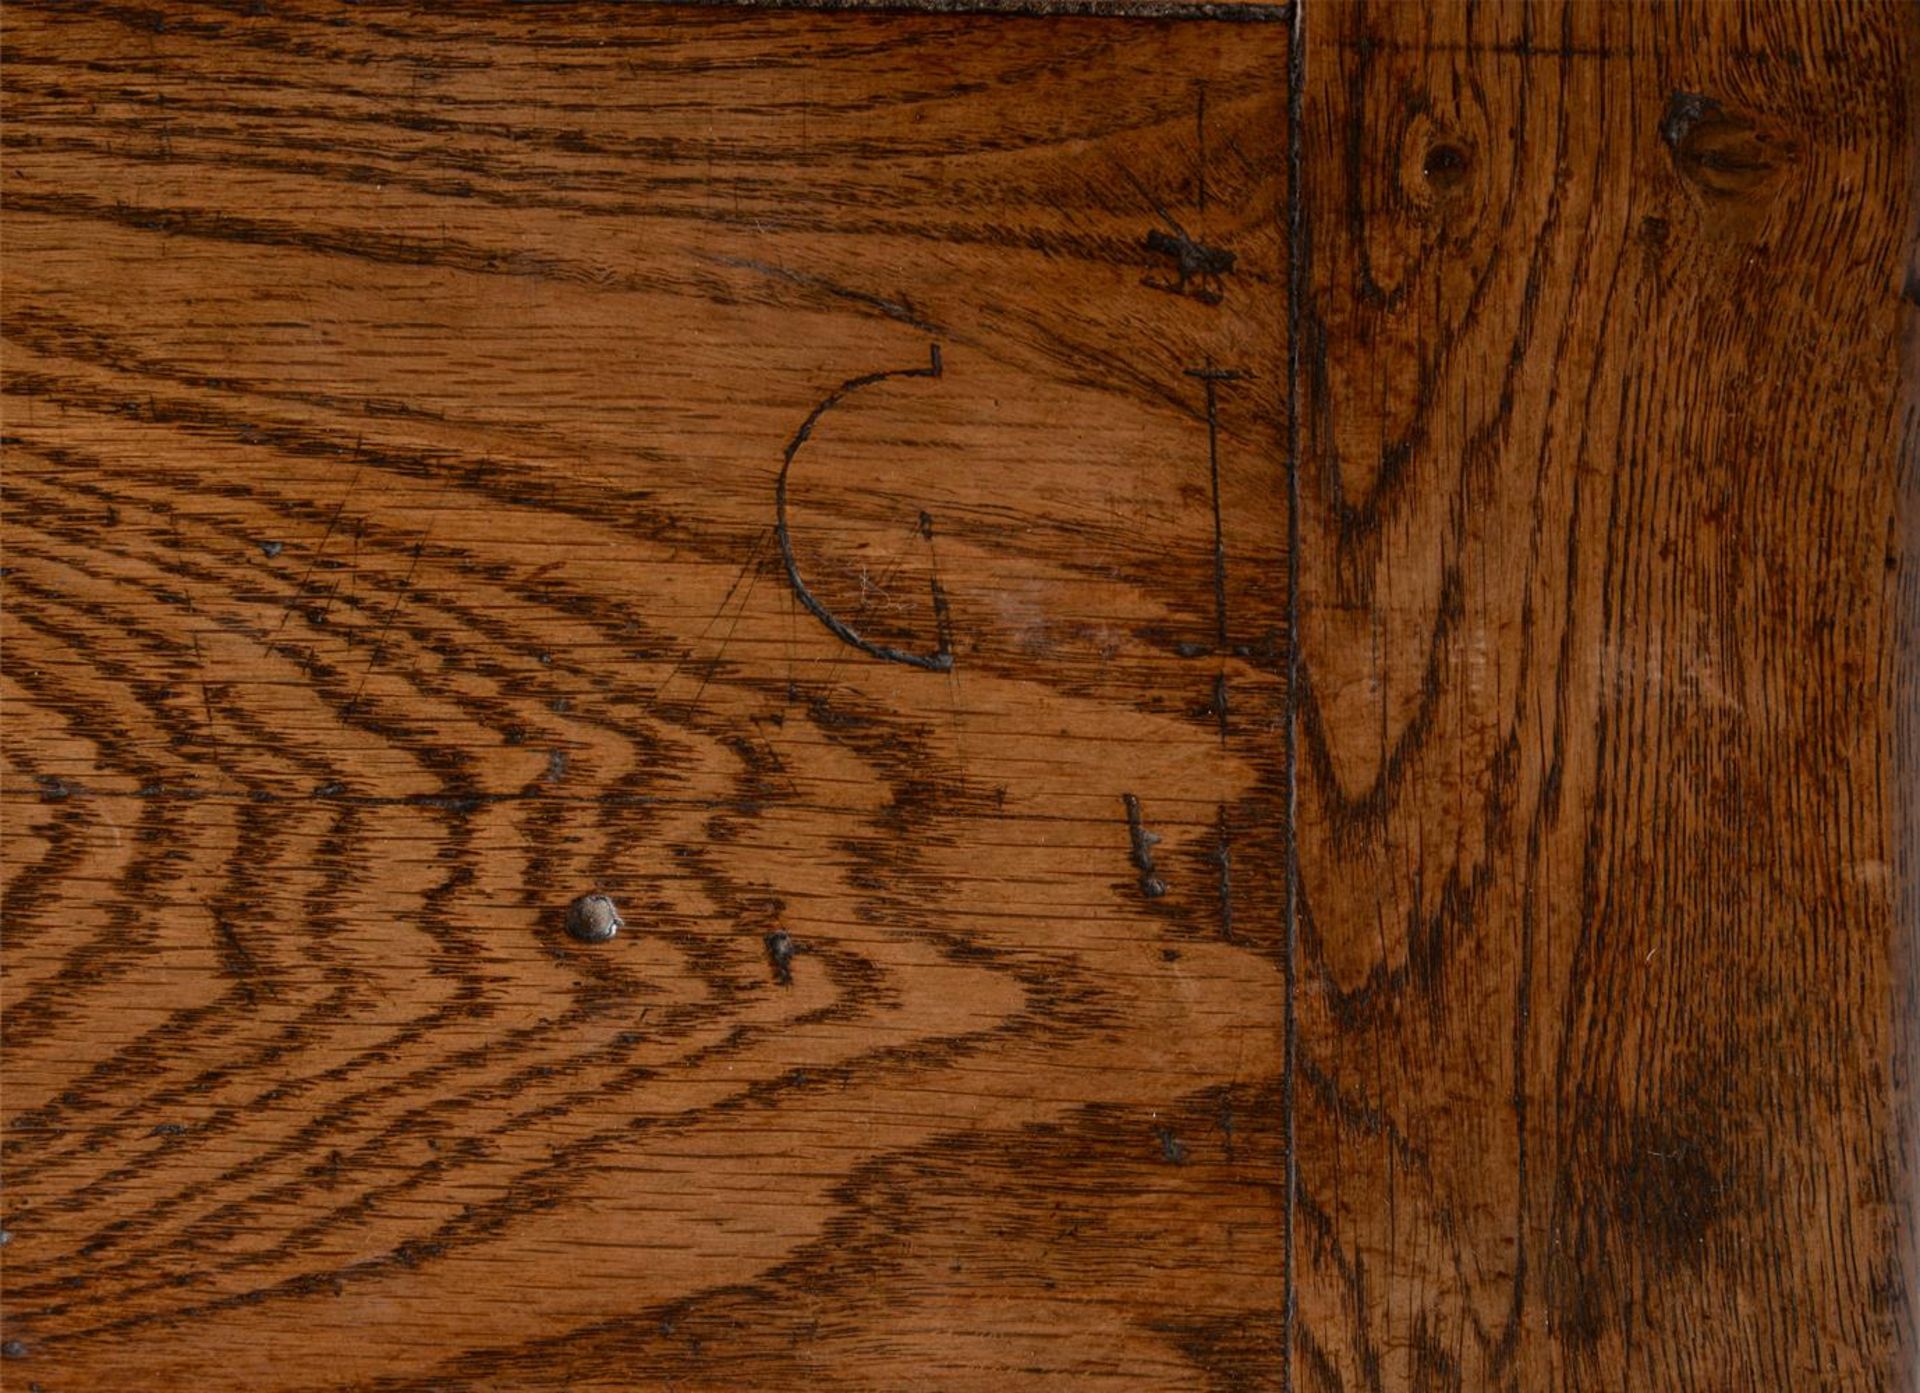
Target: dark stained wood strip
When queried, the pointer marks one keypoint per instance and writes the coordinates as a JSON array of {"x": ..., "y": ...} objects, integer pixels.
[
  {"x": 1606, "y": 980},
  {"x": 1299, "y": 249}
]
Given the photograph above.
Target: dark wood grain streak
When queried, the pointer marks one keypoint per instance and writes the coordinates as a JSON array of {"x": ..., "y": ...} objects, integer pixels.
[{"x": 1606, "y": 558}]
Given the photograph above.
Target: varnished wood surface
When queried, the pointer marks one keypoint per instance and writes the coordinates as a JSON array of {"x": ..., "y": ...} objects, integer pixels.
[
  {"x": 397, "y": 405},
  {"x": 1607, "y": 519}
]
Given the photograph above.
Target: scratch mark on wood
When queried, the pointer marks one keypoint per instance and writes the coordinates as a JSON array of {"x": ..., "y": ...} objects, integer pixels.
[
  {"x": 1224, "y": 1120},
  {"x": 206, "y": 698},
  {"x": 1143, "y": 842},
  {"x": 941, "y": 659},
  {"x": 1210, "y": 379},
  {"x": 236, "y": 959},
  {"x": 1219, "y": 705},
  {"x": 1198, "y": 268},
  {"x": 899, "y": 310},
  {"x": 749, "y": 574},
  {"x": 781, "y": 951},
  {"x": 386, "y": 626},
  {"x": 1223, "y": 858},
  {"x": 1170, "y": 1146},
  {"x": 301, "y": 589}
]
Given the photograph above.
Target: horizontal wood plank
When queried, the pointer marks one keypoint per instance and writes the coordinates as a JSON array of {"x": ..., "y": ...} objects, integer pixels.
[{"x": 398, "y": 406}]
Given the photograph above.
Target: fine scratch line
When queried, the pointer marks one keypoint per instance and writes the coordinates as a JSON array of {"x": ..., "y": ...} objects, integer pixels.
[
  {"x": 1223, "y": 858},
  {"x": 941, "y": 660},
  {"x": 1210, "y": 378},
  {"x": 893, "y": 309}
]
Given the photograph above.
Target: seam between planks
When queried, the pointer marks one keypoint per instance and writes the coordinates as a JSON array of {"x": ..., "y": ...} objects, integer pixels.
[
  {"x": 1254, "y": 12},
  {"x": 1296, "y": 290}
]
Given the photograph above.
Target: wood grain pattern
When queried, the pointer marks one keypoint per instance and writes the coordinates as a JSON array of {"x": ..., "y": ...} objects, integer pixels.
[
  {"x": 1469, "y": 947},
  {"x": 396, "y": 409},
  {"x": 1607, "y": 514}
]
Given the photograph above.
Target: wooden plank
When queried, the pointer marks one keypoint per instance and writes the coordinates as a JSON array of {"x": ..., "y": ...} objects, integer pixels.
[
  {"x": 396, "y": 407},
  {"x": 396, "y": 413},
  {"x": 1606, "y": 629}
]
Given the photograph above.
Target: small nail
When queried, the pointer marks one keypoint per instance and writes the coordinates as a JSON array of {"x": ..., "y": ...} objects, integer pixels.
[{"x": 593, "y": 919}]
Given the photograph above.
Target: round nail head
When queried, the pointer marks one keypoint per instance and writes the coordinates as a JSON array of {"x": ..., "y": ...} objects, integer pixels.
[{"x": 593, "y": 919}]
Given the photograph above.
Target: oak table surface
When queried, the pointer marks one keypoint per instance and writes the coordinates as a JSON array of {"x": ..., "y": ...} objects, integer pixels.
[{"x": 1243, "y": 674}]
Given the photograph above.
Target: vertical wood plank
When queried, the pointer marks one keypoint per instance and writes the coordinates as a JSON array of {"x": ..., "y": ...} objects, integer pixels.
[{"x": 1607, "y": 489}]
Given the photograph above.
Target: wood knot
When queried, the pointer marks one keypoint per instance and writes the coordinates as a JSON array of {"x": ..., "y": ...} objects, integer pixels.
[
  {"x": 1437, "y": 168},
  {"x": 1446, "y": 166},
  {"x": 1726, "y": 155}
]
